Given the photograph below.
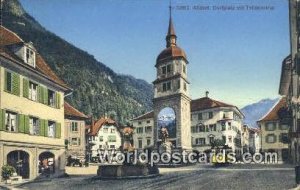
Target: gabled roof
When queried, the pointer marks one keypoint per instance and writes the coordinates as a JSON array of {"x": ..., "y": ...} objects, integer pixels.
[
  {"x": 9, "y": 38},
  {"x": 73, "y": 112},
  {"x": 94, "y": 129},
  {"x": 207, "y": 103},
  {"x": 147, "y": 115},
  {"x": 272, "y": 115}
]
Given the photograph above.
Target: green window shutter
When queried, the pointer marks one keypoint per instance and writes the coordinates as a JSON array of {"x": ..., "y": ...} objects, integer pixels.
[
  {"x": 1, "y": 120},
  {"x": 21, "y": 124},
  {"x": 41, "y": 94},
  {"x": 58, "y": 130},
  {"x": 57, "y": 98},
  {"x": 16, "y": 84},
  {"x": 8, "y": 81},
  {"x": 26, "y": 124},
  {"x": 25, "y": 88},
  {"x": 45, "y": 128},
  {"x": 45, "y": 95},
  {"x": 42, "y": 127},
  {"x": 5, "y": 80}
]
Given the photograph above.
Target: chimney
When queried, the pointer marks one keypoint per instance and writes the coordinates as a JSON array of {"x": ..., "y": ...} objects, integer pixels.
[
  {"x": 206, "y": 94},
  {"x": 92, "y": 123}
]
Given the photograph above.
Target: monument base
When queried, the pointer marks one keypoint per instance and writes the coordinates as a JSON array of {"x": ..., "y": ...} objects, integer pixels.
[{"x": 126, "y": 171}]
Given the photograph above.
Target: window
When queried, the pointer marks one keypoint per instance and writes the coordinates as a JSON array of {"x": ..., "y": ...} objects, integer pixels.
[
  {"x": 51, "y": 129},
  {"x": 11, "y": 121},
  {"x": 148, "y": 129},
  {"x": 178, "y": 84},
  {"x": 74, "y": 127},
  {"x": 271, "y": 138},
  {"x": 201, "y": 128},
  {"x": 51, "y": 98},
  {"x": 215, "y": 127},
  {"x": 140, "y": 143},
  {"x": 169, "y": 68},
  {"x": 112, "y": 130},
  {"x": 34, "y": 126},
  {"x": 100, "y": 146},
  {"x": 112, "y": 146},
  {"x": 210, "y": 115},
  {"x": 230, "y": 139},
  {"x": 283, "y": 127},
  {"x": 224, "y": 139},
  {"x": 164, "y": 70},
  {"x": 211, "y": 139},
  {"x": 229, "y": 126},
  {"x": 112, "y": 138},
  {"x": 270, "y": 126},
  {"x": 100, "y": 138},
  {"x": 284, "y": 138},
  {"x": 184, "y": 68},
  {"x": 75, "y": 141},
  {"x": 148, "y": 142},
  {"x": 193, "y": 129},
  {"x": 148, "y": 121},
  {"x": 139, "y": 130},
  {"x": 30, "y": 57},
  {"x": 139, "y": 122},
  {"x": 200, "y": 116},
  {"x": 184, "y": 86},
  {"x": 32, "y": 91},
  {"x": 223, "y": 124},
  {"x": 166, "y": 86},
  {"x": 105, "y": 130},
  {"x": 200, "y": 141}
]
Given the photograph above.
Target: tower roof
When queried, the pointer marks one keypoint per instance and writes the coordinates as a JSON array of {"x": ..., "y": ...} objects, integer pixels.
[
  {"x": 171, "y": 30},
  {"x": 172, "y": 50}
]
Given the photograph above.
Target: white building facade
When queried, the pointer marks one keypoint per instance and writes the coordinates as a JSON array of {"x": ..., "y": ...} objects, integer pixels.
[
  {"x": 212, "y": 120},
  {"x": 103, "y": 134},
  {"x": 143, "y": 131}
]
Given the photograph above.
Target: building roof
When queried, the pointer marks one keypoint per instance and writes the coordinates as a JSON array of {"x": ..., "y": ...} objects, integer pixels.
[
  {"x": 255, "y": 130},
  {"x": 147, "y": 115},
  {"x": 171, "y": 53},
  {"x": 285, "y": 77},
  {"x": 96, "y": 126},
  {"x": 272, "y": 115},
  {"x": 207, "y": 103},
  {"x": 8, "y": 38},
  {"x": 73, "y": 112}
]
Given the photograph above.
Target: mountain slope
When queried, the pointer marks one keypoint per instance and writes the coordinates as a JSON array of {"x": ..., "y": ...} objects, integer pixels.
[
  {"x": 254, "y": 112},
  {"x": 98, "y": 90}
]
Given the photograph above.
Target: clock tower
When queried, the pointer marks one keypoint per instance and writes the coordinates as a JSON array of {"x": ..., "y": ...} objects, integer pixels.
[{"x": 171, "y": 94}]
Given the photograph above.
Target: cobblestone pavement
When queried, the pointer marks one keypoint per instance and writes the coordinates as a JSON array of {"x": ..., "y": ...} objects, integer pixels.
[{"x": 205, "y": 177}]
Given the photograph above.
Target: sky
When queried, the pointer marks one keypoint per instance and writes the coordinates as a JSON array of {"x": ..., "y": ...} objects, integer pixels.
[{"x": 234, "y": 54}]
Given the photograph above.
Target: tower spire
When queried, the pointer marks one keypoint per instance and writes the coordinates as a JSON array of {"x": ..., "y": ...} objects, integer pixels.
[{"x": 171, "y": 36}]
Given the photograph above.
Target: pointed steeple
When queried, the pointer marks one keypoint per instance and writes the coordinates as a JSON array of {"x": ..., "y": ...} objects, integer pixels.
[{"x": 171, "y": 36}]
